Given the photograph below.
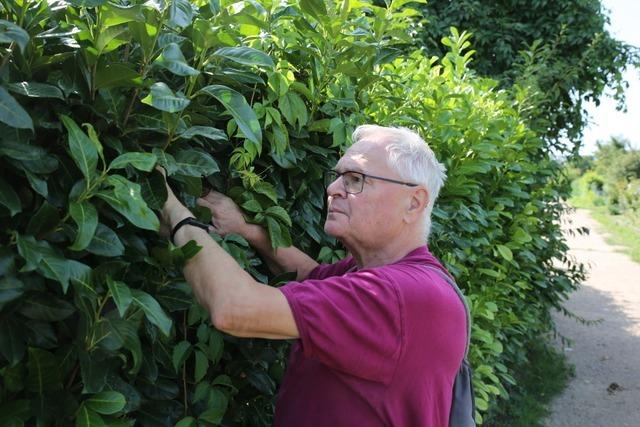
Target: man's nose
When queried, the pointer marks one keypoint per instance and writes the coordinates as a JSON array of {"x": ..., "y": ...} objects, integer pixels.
[{"x": 336, "y": 188}]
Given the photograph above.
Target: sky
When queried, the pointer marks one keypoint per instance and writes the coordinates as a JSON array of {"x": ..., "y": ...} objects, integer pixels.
[{"x": 605, "y": 120}]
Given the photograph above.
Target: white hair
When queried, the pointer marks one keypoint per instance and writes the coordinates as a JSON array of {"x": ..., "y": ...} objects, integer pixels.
[{"x": 412, "y": 159}]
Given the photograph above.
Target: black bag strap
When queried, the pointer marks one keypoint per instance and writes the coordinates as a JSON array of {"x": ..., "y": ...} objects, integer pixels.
[{"x": 455, "y": 287}]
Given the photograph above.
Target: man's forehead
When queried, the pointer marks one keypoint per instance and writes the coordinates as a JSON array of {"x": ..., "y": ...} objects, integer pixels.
[{"x": 364, "y": 152}]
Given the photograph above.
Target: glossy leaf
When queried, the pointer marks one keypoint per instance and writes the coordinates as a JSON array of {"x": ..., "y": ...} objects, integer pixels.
[
  {"x": 46, "y": 307},
  {"x": 238, "y": 107},
  {"x": 9, "y": 198},
  {"x": 192, "y": 162},
  {"x": 83, "y": 150},
  {"x": 106, "y": 402},
  {"x": 246, "y": 56},
  {"x": 142, "y": 161},
  {"x": 173, "y": 60},
  {"x": 10, "y": 289},
  {"x": 152, "y": 310},
  {"x": 12, "y": 113},
  {"x": 201, "y": 366},
  {"x": 12, "y": 340},
  {"x": 181, "y": 353},
  {"x": 43, "y": 373},
  {"x": 180, "y": 13},
  {"x": 36, "y": 90},
  {"x": 164, "y": 99},
  {"x": 12, "y": 33},
  {"x": 154, "y": 190},
  {"x": 85, "y": 216},
  {"x": 116, "y": 75},
  {"x": 204, "y": 131},
  {"x": 105, "y": 242},
  {"x": 88, "y": 418},
  {"x": 125, "y": 198},
  {"x": 121, "y": 295}
]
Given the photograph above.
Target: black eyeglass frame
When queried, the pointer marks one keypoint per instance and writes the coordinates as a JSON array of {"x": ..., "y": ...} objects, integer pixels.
[{"x": 331, "y": 176}]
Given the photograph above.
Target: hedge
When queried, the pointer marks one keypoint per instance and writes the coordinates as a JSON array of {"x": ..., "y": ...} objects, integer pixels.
[{"x": 256, "y": 99}]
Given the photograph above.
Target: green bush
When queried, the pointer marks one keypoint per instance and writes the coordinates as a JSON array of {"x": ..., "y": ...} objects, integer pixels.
[{"x": 256, "y": 99}]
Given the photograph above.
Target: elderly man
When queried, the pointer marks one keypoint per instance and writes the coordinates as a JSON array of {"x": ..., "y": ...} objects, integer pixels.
[{"x": 379, "y": 335}]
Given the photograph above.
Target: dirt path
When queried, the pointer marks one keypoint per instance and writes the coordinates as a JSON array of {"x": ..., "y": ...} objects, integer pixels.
[{"x": 606, "y": 387}]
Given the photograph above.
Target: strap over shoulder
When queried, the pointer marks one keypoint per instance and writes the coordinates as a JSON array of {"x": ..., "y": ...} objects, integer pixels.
[{"x": 455, "y": 287}]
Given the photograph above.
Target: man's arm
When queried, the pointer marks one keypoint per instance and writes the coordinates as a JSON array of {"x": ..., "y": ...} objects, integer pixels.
[
  {"x": 228, "y": 218},
  {"x": 237, "y": 303}
]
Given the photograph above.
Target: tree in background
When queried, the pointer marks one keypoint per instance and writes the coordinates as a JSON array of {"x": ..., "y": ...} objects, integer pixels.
[{"x": 561, "y": 47}]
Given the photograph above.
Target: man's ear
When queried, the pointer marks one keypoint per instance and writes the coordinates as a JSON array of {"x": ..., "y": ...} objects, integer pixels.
[{"x": 417, "y": 204}]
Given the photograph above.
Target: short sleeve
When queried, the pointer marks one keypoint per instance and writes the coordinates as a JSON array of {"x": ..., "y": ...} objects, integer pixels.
[{"x": 351, "y": 323}]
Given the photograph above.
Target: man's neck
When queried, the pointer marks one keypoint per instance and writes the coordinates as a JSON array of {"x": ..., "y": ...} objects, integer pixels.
[{"x": 391, "y": 253}]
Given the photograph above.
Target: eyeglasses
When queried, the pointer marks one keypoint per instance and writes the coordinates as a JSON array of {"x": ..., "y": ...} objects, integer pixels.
[{"x": 354, "y": 181}]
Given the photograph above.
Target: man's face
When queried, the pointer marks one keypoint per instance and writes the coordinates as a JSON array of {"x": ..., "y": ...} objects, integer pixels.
[{"x": 368, "y": 219}]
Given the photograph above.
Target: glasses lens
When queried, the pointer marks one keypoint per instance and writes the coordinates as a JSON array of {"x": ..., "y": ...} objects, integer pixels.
[{"x": 353, "y": 182}]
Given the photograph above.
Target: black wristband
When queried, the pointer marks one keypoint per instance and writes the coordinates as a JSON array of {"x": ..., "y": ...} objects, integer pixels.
[{"x": 188, "y": 221}]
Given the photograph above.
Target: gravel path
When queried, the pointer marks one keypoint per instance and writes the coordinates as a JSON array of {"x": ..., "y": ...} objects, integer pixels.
[{"x": 606, "y": 387}]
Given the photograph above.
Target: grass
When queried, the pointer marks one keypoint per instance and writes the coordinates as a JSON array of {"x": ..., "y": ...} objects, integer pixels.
[
  {"x": 621, "y": 230},
  {"x": 546, "y": 375}
]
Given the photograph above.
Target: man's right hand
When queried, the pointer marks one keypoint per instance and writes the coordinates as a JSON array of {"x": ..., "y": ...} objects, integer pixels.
[{"x": 226, "y": 216}]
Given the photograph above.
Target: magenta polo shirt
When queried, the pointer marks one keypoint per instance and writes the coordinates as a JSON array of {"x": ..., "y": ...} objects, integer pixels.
[{"x": 378, "y": 346}]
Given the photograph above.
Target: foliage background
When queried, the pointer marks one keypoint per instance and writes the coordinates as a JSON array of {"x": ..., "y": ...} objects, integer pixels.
[{"x": 97, "y": 325}]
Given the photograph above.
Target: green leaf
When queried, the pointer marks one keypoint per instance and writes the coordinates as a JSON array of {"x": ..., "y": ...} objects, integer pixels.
[
  {"x": 87, "y": 3},
  {"x": 12, "y": 113},
  {"x": 315, "y": 8},
  {"x": 109, "y": 39},
  {"x": 201, "y": 366},
  {"x": 105, "y": 242},
  {"x": 173, "y": 60},
  {"x": 505, "y": 252},
  {"x": 10, "y": 289},
  {"x": 279, "y": 237},
  {"x": 252, "y": 205},
  {"x": 180, "y": 13},
  {"x": 181, "y": 353},
  {"x": 204, "y": 131},
  {"x": 142, "y": 161},
  {"x": 116, "y": 76},
  {"x": 44, "y": 220},
  {"x": 266, "y": 189},
  {"x": 163, "y": 98},
  {"x": 112, "y": 14},
  {"x": 152, "y": 310},
  {"x": 216, "y": 407},
  {"x": 12, "y": 340},
  {"x": 88, "y": 418},
  {"x": 193, "y": 162},
  {"x": 83, "y": 150},
  {"x": 46, "y": 307},
  {"x": 106, "y": 402},
  {"x": 121, "y": 295},
  {"x": 22, "y": 151},
  {"x": 241, "y": 111},
  {"x": 280, "y": 214},
  {"x": 186, "y": 422},
  {"x": 166, "y": 160},
  {"x": 293, "y": 109},
  {"x": 246, "y": 56},
  {"x": 12, "y": 33},
  {"x": 43, "y": 372},
  {"x": 127, "y": 200},
  {"x": 36, "y": 90},
  {"x": 85, "y": 216},
  {"x": 154, "y": 190},
  {"x": 9, "y": 198}
]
